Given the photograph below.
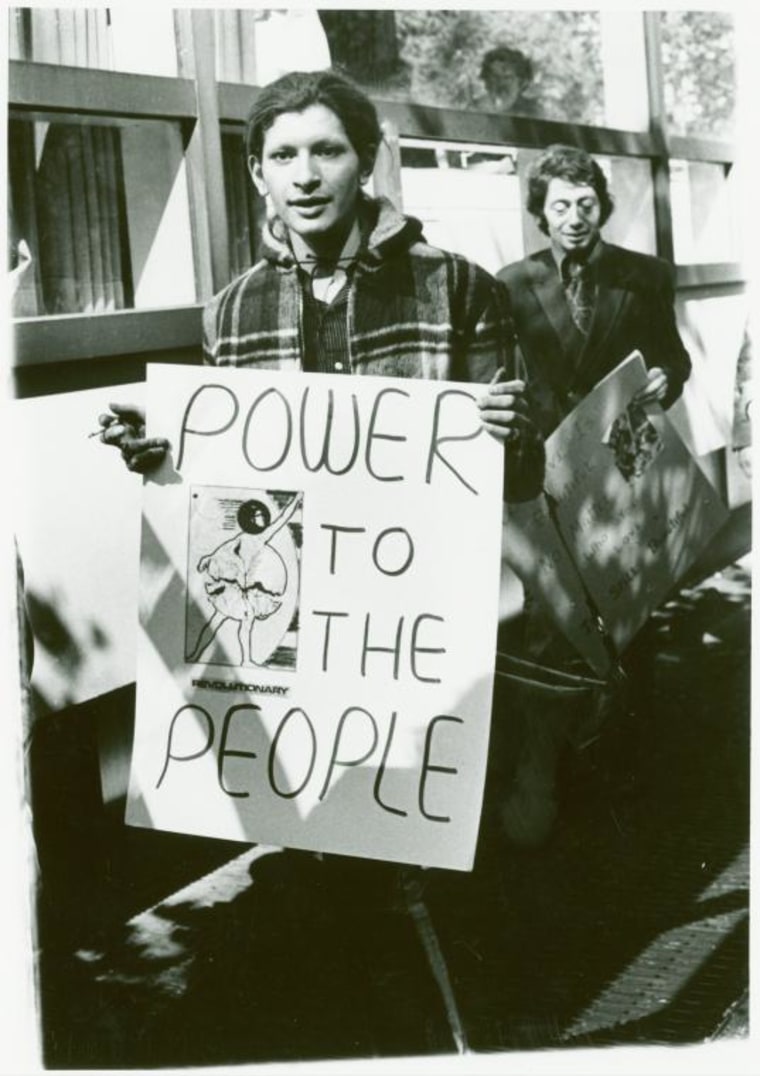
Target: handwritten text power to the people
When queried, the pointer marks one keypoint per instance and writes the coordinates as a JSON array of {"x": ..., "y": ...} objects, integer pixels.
[{"x": 363, "y": 728}]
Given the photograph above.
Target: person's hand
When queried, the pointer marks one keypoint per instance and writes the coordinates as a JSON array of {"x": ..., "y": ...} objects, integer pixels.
[
  {"x": 124, "y": 428},
  {"x": 655, "y": 389},
  {"x": 505, "y": 412}
]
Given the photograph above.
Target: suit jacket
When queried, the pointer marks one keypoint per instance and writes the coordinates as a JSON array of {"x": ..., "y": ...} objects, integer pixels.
[{"x": 633, "y": 310}]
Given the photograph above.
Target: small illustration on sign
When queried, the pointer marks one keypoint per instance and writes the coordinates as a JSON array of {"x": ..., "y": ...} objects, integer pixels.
[
  {"x": 635, "y": 442},
  {"x": 243, "y": 586}
]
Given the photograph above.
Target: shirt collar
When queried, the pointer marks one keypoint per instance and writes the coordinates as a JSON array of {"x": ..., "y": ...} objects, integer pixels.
[
  {"x": 384, "y": 232},
  {"x": 307, "y": 261},
  {"x": 561, "y": 258}
]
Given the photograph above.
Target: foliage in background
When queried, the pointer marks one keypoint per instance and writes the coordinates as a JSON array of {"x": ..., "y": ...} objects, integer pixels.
[
  {"x": 698, "y": 57},
  {"x": 443, "y": 51},
  {"x": 434, "y": 57}
]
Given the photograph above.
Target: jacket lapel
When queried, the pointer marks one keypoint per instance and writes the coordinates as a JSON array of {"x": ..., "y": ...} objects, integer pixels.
[{"x": 544, "y": 280}]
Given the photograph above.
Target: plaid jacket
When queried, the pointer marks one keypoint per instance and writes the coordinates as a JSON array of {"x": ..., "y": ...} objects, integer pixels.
[{"x": 413, "y": 311}]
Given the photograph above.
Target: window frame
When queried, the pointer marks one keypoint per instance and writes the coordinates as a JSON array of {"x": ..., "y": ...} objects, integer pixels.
[{"x": 202, "y": 105}]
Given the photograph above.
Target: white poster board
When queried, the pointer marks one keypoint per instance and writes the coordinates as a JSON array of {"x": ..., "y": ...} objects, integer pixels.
[
  {"x": 76, "y": 516},
  {"x": 324, "y": 683},
  {"x": 631, "y": 506}
]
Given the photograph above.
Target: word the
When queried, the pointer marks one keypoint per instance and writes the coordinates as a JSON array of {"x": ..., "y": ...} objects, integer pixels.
[{"x": 371, "y": 644}]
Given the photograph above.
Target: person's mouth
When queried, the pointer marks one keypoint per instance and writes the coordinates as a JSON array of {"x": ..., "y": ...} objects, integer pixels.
[{"x": 309, "y": 207}]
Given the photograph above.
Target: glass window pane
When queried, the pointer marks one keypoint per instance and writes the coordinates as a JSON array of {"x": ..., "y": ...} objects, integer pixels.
[
  {"x": 257, "y": 45},
  {"x": 632, "y": 223},
  {"x": 437, "y": 57},
  {"x": 114, "y": 39},
  {"x": 699, "y": 72},
  {"x": 704, "y": 204},
  {"x": 103, "y": 209},
  {"x": 467, "y": 197}
]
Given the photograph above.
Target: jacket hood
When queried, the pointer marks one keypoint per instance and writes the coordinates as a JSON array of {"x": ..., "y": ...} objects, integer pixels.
[{"x": 385, "y": 232}]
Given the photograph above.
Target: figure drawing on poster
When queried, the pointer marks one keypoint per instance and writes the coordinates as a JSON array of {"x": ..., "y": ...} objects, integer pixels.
[{"x": 243, "y": 588}]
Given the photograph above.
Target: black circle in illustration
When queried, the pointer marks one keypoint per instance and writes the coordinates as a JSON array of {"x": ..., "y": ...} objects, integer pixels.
[{"x": 253, "y": 517}]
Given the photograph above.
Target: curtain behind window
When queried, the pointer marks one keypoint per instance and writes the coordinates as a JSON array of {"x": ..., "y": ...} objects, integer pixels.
[{"x": 67, "y": 196}]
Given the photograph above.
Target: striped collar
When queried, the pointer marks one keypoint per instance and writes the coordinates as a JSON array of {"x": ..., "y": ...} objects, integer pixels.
[
  {"x": 382, "y": 227},
  {"x": 328, "y": 276}
]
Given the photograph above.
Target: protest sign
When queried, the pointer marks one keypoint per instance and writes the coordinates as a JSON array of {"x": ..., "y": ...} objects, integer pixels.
[
  {"x": 319, "y": 596},
  {"x": 626, "y": 505}
]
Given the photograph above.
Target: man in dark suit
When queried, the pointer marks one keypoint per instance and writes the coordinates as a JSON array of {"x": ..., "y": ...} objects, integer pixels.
[{"x": 582, "y": 305}]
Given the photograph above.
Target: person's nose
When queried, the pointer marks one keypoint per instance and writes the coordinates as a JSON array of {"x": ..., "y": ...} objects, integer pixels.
[
  {"x": 574, "y": 216},
  {"x": 306, "y": 174}
]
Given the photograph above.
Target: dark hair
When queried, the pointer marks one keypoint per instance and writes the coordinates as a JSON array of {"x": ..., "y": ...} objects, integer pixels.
[
  {"x": 573, "y": 165},
  {"x": 246, "y": 516},
  {"x": 297, "y": 90},
  {"x": 519, "y": 61}
]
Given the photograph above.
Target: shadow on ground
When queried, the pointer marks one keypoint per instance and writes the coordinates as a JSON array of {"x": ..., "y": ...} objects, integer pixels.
[{"x": 629, "y": 926}]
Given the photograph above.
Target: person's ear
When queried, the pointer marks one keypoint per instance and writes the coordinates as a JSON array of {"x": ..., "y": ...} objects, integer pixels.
[
  {"x": 254, "y": 167},
  {"x": 367, "y": 166}
]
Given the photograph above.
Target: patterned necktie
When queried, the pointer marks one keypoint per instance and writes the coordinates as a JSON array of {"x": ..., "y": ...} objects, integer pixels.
[{"x": 580, "y": 295}]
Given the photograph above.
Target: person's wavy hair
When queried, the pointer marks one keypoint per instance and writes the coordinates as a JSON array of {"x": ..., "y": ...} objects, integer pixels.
[
  {"x": 297, "y": 90},
  {"x": 518, "y": 60},
  {"x": 573, "y": 165}
]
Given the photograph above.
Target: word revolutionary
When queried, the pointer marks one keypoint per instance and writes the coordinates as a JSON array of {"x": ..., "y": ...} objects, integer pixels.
[
  {"x": 331, "y": 436},
  {"x": 238, "y": 685}
]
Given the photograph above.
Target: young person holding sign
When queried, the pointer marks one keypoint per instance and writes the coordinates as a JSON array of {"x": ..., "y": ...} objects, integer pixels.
[{"x": 347, "y": 284}]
